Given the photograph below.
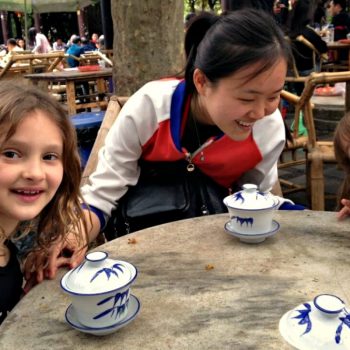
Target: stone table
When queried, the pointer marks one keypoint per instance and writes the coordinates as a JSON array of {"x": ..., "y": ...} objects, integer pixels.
[{"x": 201, "y": 288}]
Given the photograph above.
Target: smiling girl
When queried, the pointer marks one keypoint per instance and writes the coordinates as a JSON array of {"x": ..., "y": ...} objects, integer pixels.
[{"x": 39, "y": 179}]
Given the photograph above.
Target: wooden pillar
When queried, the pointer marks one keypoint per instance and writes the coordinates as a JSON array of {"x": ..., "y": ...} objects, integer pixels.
[
  {"x": 81, "y": 22},
  {"x": 3, "y": 17},
  {"x": 37, "y": 22},
  {"x": 226, "y": 5},
  {"x": 107, "y": 23}
]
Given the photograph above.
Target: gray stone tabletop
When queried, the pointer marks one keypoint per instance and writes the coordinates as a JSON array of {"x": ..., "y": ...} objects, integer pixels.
[{"x": 201, "y": 288}]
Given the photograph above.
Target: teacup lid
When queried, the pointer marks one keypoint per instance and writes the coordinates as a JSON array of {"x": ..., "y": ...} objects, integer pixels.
[
  {"x": 323, "y": 323},
  {"x": 250, "y": 198},
  {"x": 98, "y": 274}
]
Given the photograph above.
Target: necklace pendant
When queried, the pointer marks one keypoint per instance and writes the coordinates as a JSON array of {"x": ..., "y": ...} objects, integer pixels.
[{"x": 190, "y": 167}]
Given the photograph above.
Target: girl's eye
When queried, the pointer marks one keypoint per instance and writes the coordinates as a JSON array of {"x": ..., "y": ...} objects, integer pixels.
[
  {"x": 51, "y": 156},
  {"x": 11, "y": 154},
  {"x": 246, "y": 100},
  {"x": 274, "y": 98}
]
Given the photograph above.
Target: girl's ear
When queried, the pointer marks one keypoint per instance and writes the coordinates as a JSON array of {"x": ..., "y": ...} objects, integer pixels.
[{"x": 200, "y": 81}]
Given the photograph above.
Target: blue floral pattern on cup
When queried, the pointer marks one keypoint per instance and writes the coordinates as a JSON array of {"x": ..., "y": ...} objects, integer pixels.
[
  {"x": 115, "y": 310},
  {"x": 344, "y": 321},
  {"x": 305, "y": 318},
  {"x": 238, "y": 196},
  {"x": 108, "y": 271},
  {"x": 242, "y": 221}
]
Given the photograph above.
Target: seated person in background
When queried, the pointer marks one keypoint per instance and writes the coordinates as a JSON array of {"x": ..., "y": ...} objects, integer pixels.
[
  {"x": 342, "y": 155},
  {"x": 11, "y": 48},
  {"x": 340, "y": 19},
  {"x": 319, "y": 17},
  {"x": 189, "y": 142},
  {"x": 298, "y": 25},
  {"x": 58, "y": 45},
  {"x": 87, "y": 45},
  {"x": 76, "y": 50},
  {"x": 21, "y": 43},
  {"x": 101, "y": 43},
  {"x": 281, "y": 11},
  {"x": 94, "y": 40},
  {"x": 3, "y": 50}
]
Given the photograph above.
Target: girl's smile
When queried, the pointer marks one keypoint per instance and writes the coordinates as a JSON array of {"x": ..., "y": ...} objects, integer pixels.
[
  {"x": 236, "y": 102},
  {"x": 31, "y": 169}
]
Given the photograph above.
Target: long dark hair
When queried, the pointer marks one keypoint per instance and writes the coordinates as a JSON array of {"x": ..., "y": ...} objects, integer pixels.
[
  {"x": 31, "y": 36},
  {"x": 300, "y": 17},
  {"x": 221, "y": 45}
]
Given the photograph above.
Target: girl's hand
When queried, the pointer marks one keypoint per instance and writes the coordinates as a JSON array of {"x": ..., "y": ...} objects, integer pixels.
[
  {"x": 345, "y": 211},
  {"x": 42, "y": 264}
]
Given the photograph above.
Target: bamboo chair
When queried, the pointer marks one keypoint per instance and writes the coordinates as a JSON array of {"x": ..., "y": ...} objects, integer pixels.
[
  {"x": 291, "y": 156},
  {"x": 28, "y": 63},
  {"x": 317, "y": 60},
  {"x": 114, "y": 106},
  {"x": 294, "y": 152},
  {"x": 317, "y": 152}
]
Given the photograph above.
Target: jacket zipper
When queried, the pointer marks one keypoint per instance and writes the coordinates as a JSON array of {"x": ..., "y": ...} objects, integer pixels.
[{"x": 189, "y": 156}]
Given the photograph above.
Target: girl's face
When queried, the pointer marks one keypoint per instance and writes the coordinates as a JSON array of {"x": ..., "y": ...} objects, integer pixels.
[
  {"x": 236, "y": 102},
  {"x": 31, "y": 169}
]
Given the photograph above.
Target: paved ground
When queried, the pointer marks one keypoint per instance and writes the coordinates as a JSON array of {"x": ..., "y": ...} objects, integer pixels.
[{"x": 333, "y": 175}]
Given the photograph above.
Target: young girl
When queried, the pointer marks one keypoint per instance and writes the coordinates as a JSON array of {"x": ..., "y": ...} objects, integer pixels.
[
  {"x": 342, "y": 155},
  {"x": 179, "y": 146},
  {"x": 39, "y": 179}
]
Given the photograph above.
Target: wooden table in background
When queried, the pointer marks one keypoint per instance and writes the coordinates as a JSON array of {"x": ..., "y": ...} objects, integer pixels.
[
  {"x": 337, "y": 46},
  {"x": 71, "y": 76},
  {"x": 201, "y": 288}
]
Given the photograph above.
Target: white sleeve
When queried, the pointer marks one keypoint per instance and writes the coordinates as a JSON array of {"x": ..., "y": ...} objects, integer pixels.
[
  {"x": 38, "y": 42},
  {"x": 118, "y": 159},
  {"x": 269, "y": 135}
]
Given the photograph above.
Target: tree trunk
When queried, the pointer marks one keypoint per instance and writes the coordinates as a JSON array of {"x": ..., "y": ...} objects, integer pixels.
[{"x": 148, "y": 42}]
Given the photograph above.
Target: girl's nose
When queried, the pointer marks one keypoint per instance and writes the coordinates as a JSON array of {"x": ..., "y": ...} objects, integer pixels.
[
  {"x": 259, "y": 111},
  {"x": 33, "y": 170}
]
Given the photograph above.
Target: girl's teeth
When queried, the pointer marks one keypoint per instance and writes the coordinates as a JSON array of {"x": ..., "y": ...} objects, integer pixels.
[
  {"x": 28, "y": 192},
  {"x": 244, "y": 124}
]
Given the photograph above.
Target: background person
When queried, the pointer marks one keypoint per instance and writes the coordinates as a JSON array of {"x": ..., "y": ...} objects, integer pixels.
[
  {"x": 340, "y": 19},
  {"x": 299, "y": 25},
  {"x": 38, "y": 42},
  {"x": 59, "y": 45}
]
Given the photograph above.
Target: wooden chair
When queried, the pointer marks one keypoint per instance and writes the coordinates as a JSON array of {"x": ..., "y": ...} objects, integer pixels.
[
  {"x": 114, "y": 106},
  {"x": 317, "y": 152},
  {"x": 317, "y": 59},
  {"x": 21, "y": 63},
  {"x": 91, "y": 58},
  {"x": 294, "y": 150}
]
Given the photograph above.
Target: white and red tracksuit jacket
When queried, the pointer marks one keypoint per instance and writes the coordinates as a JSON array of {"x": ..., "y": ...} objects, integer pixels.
[{"x": 150, "y": 126}]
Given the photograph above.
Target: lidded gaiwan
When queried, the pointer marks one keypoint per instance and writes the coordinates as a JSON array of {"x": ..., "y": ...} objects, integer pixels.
[
  {"x": 322, "y": 324},
  {"x": 250, "y": 210},
  {"x": 100, "y": 289}
]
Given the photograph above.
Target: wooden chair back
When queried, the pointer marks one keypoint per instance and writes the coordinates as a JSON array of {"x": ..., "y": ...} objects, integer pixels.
[
  {"x": 317, "y": 59},
  {"x": 114, "y": 106},
  {"x": 23, "y": 63},
  {"x": 317, "y": 151}
]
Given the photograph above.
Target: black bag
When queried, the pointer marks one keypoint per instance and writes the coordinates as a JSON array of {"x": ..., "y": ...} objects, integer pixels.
[{"x": 165, "y": 192}]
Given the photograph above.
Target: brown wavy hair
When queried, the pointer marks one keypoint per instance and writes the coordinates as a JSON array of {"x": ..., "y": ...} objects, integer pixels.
[
  {"x": 342, "y": 155},
  {"x": 63, "y": 213}
]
